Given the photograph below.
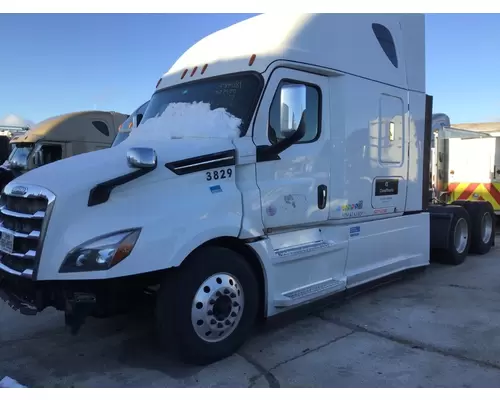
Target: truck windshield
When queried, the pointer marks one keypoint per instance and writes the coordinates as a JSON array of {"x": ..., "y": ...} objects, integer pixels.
[
  {"x": 237, "y": 93},
  {"x": 19, "y": 156}
]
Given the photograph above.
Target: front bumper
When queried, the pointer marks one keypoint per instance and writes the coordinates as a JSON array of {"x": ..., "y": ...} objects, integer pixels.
[
  {"x": 23, "y": 294},
  {"x": 16, "y": 299},
  {"x": 78, "y": 299}
]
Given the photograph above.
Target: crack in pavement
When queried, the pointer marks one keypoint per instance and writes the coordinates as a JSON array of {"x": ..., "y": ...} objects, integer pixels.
[
  {"x": 272, "y": 381},
  {"x": 409, "y": 343},
  {"x": 267, "y": 372}
]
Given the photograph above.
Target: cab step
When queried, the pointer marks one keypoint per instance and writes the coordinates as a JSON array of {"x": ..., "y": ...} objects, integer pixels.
[{"x": 309, "y": 292}]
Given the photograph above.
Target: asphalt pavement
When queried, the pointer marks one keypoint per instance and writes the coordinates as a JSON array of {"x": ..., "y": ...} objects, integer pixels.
[{"x": 438, "y": 328}]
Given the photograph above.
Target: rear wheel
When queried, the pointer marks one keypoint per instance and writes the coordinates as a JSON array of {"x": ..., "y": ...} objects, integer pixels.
[
  {"x": 207, "y": 308},
  {"x": 482, "y": 218},
  {"x": 457, "y": 245}
]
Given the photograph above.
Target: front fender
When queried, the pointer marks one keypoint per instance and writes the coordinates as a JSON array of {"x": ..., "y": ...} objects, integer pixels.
[{"x": 175, "y": 215}]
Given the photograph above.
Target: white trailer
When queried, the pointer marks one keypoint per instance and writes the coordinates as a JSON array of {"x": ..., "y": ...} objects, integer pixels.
[
  {"x": 465, "y": 163},
  {"x": 279, "y": 161}
]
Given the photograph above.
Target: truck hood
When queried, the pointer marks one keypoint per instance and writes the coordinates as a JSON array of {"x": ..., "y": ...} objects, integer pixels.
[{"x": 86, "y": 170}]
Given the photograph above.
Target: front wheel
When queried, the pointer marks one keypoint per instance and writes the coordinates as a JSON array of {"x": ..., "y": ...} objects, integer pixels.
[{"x": 207, "y": 308}]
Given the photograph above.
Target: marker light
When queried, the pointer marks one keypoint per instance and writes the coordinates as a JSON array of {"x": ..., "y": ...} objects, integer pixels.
[
  {"x": 194, "y": 70},
  {"x": 252, "y": 59}
]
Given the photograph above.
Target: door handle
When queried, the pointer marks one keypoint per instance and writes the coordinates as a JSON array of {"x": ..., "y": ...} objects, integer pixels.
[{"x": 322, "y": 196}]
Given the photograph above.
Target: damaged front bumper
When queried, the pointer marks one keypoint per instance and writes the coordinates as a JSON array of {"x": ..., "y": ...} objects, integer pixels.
[
  {"x": 20, "y": 293},
  {"x": 30, "y": 297},
  {"x": 77, "y": 299}
]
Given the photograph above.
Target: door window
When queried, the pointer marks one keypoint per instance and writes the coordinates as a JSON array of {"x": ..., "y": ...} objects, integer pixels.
[{"x": 51, "y": 153}]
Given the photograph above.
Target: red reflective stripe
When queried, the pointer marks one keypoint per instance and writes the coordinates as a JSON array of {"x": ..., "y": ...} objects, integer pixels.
[
  {"x": 468, "y": 191},
  {"x": 493, "y": 191}
]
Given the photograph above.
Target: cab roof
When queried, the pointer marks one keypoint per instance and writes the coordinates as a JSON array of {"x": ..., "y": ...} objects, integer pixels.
[
  {"x": 358, "y": 44},
  {"x": 80, "y": 125}
]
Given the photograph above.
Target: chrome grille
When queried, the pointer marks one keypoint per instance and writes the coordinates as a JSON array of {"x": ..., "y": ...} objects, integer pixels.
[{"x": 24, "y": 213}]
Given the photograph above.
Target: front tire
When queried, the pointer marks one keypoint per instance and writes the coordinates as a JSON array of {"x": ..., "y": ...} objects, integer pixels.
[{"x": 206, "y": 308}]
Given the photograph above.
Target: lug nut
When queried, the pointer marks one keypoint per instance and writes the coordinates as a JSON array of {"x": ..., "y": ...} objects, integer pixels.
[
  {"x": 232, "y": 295},
  {"x": 213, "y": 321},
  {"x": 233, "y": 314},
  {"x": 210, "y": 312},
  {"x": 227, "y": 322},
  {"x": 218, "y": 294},
  {"x": 235, "y": 304},
  {"x": 219, "y": 325},
  {"x": 226, "y": 291},
  {"x": 211, "y": 302}
]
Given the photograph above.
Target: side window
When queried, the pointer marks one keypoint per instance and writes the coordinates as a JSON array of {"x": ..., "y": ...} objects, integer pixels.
[
  {"x": 293, "y": 103},
  {"x": 51, "y": 153},
  {"x": 386, "y": 41},
  {"x": 101, "y": 127}
]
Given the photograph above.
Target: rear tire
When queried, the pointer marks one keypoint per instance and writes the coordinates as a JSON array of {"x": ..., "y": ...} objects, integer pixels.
[
  {"x": 482, "y": 216},
  {"x": 207, "y": 308},
  {"x": 459, "y": 236}
]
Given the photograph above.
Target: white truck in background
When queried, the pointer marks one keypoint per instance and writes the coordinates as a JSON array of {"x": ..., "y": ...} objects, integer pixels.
[{"x": 280, "y": 161}]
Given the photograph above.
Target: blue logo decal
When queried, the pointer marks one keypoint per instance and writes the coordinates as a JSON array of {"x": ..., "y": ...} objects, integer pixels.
[
  {"x": 354, "y": 231},
  {"x": 215, "y": 189}
]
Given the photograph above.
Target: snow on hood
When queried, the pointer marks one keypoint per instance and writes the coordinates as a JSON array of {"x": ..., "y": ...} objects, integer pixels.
[
  {"x": 189, "y": 120},
  {"x": 200, "y": 130}
]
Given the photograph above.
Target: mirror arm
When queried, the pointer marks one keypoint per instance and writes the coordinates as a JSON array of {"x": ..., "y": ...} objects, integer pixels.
[{"x": 271, "y": 152}]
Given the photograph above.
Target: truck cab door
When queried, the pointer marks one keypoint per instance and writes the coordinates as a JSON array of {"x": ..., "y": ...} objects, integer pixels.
[{"x": 294, "y": 183}]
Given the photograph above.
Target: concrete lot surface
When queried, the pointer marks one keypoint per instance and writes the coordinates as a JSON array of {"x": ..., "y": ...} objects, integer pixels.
[{"x": 439, "y": 328}]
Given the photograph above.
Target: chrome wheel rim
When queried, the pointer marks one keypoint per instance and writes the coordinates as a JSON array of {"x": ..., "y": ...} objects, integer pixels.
[
  {"x": 217, "y": 307},
  {"x": 486, "y": 227},
  {"x": 461, "y": 235}
]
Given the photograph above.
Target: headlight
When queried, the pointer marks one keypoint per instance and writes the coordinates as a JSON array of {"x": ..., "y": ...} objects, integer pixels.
[{"x": 101, "y": 253}]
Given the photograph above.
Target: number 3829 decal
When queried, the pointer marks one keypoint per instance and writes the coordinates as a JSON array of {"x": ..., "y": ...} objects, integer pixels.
[{"x": 219, "y": 174}]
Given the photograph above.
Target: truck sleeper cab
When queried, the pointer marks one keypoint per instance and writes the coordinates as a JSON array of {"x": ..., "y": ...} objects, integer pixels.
[
  {"x": 263, "y": 177},
  {"x": 60, "y": 137}
]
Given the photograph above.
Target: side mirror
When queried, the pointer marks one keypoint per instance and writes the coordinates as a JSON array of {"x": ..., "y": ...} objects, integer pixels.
[
  {"x": 37, "y": 158},
  {"x": 292, "y": 108},
  {"x": 292, "y": 118},
  {"x": 142, "y": 157}
]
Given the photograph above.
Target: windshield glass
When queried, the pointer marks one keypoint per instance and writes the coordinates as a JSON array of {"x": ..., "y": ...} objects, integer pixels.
[
  {"x": 127, "y": 125},
  {"x": 237, "y": 93},
  {"x": 19, "y": 156}
]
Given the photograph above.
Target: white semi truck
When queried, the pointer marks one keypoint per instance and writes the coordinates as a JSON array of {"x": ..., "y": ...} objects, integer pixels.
[{"x": 280, "y": 161}]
